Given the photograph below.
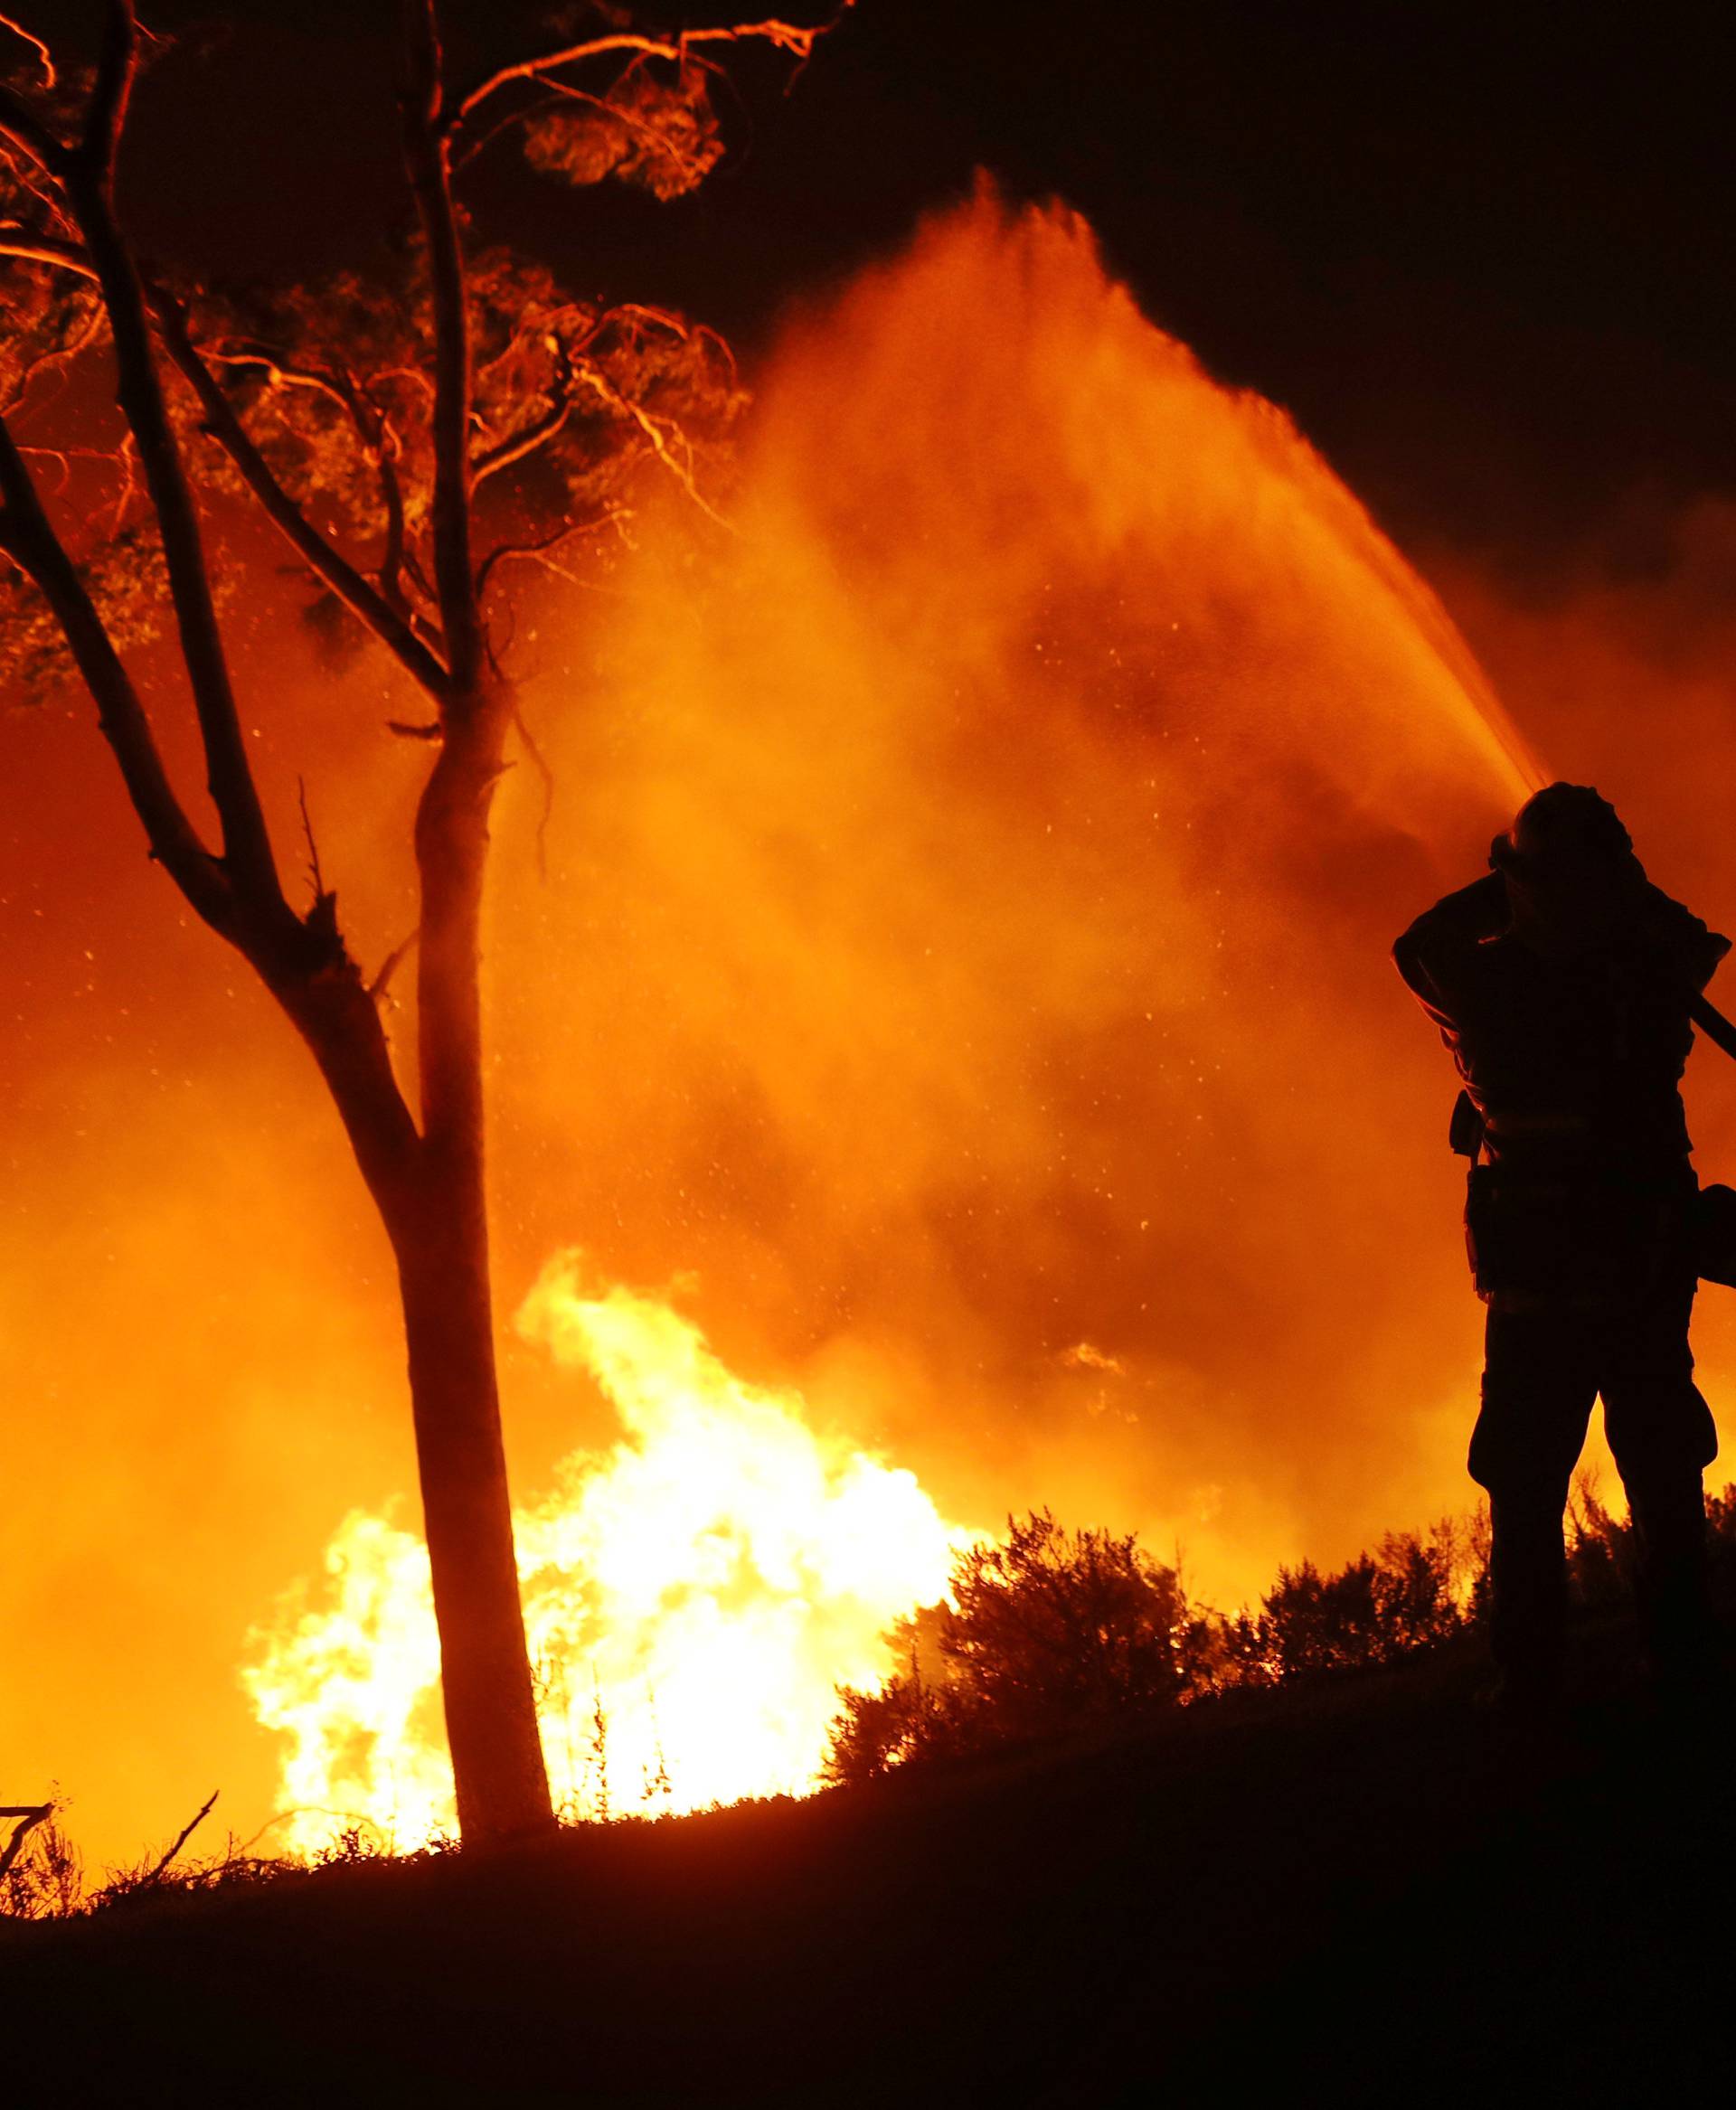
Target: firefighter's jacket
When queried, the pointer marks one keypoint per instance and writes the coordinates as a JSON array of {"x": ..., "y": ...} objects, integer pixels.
[{"x": 1574, "y": 1063}]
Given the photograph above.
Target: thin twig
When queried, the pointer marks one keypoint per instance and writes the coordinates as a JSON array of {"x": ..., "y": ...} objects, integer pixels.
[
  {"x": 517, "y": 444},
  {"x": 540, "y": 548},
  {"x": 313, "y": 847},
  {"x": 795, "y": 38},
  {"x": 56, "y": 360},
  {"x": 624, "y": 406},
  {"x": 541, "y": 763},
  {"x": 186, "y": 1832},
  {"x": 45, "y": 60},
  {"x": 389, "y": 967}
]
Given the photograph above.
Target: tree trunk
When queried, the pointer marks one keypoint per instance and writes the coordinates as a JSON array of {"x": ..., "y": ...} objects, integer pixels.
[
  {"x": 440, "y": 1236},
  {"x": 498, "y": 1766}
]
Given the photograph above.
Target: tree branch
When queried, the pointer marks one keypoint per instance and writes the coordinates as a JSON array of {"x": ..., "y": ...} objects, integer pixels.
[
  {"x": 44, "y": 249},
  {"x": 28, "y": 538},
  {"x": 373, "y": 427},
  {"x": 538, "y": 549},
  {"x": 31, "y": 137},
  {"x": 516, "y": 445},
  {"x": 185, "y": 1834},
  {"x": 392, "y": 626},
  {"x": 117, "y": 69},
  {"x": 246, "y": 843},
  {"x": 45, "y": 57},
  {"x": 29, "y": 1816},
  {"x": 303, "y": 962},
  {"x": 389, "y": 965},
  {"x": 392, "y": 497},
  {"x": 382, "y": 610},
  {"x": 426, "y": 162},
  {"x": 795, "y": 38},
  {"x": 55, "y": 359},
  {"x": 595, "y": 379},
  {"x": 313, "y": 872}
]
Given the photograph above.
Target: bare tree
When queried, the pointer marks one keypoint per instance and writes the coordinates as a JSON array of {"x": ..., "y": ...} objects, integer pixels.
[{"x": 414, "y": 415}]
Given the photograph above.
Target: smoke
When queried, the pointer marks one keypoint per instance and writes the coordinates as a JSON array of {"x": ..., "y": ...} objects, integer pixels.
[
  {"x": 967, "y": 921},
  {"x": 962, "y": 961}
]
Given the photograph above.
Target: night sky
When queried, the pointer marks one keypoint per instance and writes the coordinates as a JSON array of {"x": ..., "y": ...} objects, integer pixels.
[{"x": 1483, "y": 253}]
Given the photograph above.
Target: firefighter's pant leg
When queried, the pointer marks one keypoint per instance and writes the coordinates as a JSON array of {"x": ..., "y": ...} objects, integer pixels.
[
  {"x": 1661, "y": 1433},
  {"x": 1540, "y": 1382}
]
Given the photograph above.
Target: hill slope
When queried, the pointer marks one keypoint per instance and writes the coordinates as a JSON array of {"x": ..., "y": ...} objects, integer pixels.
[{"x": 1357, "y": 1893}]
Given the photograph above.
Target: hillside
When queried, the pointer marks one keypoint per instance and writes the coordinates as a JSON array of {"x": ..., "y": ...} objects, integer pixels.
[{"x": 1352, "y": 1893}]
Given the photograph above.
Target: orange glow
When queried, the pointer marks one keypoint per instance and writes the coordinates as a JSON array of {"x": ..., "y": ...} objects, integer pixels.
[
  {"x": 692, "y": 1597},
  {"x": 962, "y": 954}
]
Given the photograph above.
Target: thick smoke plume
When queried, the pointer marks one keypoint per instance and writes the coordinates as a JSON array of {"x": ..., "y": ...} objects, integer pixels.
[
  {"x": 966, "y": 941},
  {"x": 961, "y": 960}
]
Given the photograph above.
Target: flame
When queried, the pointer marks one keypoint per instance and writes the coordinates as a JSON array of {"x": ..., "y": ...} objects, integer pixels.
[{"x": 692, "y": 1597}]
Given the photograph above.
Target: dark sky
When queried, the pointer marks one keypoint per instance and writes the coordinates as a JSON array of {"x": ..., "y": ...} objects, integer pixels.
[{"x": 1484, "y": 253}]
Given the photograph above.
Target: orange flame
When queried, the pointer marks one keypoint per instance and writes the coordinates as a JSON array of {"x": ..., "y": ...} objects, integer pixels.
[{"x": 694, "y": 1596}]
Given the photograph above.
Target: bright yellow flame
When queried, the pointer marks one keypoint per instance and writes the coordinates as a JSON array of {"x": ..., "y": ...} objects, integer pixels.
[{"x": 694, "y": 1598}]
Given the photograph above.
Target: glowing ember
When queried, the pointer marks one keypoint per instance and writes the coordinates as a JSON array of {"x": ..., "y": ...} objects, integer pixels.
[{"x": 694, "y": 1598}]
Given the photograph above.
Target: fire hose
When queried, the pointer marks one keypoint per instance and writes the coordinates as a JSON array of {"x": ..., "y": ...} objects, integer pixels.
[
  {"x": 1714, "y": 1024},
  {"x": 1715, "y": 1205}
]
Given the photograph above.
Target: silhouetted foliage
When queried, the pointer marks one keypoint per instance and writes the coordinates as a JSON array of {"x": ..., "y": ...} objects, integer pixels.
[
  {"x": 1599, "y": 1549},
  {"x": 1055, "y": 1631},
  {"x": 1048, "y": 1630},
  {"x": 1411, "y": 1594}
]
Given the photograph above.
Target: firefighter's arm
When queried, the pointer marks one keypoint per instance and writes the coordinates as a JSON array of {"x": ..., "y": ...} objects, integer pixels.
[
  {"x": 1692, "y": 949},
  {"x": 1428, "y": 952}
]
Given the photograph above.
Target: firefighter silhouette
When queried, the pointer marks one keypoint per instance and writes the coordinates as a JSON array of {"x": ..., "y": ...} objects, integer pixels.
[{"x": 1560, "y": 983}]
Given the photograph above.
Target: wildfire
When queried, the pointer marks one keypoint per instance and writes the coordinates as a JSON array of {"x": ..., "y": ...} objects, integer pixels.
[
  {"x": 694, "y": 1596},
  {"x": 960, "y": 936}
]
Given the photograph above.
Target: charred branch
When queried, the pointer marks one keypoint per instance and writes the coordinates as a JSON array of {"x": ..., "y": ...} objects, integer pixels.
[
  {"x": 28, "y": 538},
  {"x": 28, "y": 1816},
  {"x": 373, "y": 427},
  {"x": 88, "y": 183},
  {"x": 389, "y": 967},
  {"x": 313, "y": 872},
  {"x": 186, "y": 1832}
]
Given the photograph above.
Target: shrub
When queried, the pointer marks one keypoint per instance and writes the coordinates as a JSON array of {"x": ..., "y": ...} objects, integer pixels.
[{"x": 1046, "y": 1630}]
